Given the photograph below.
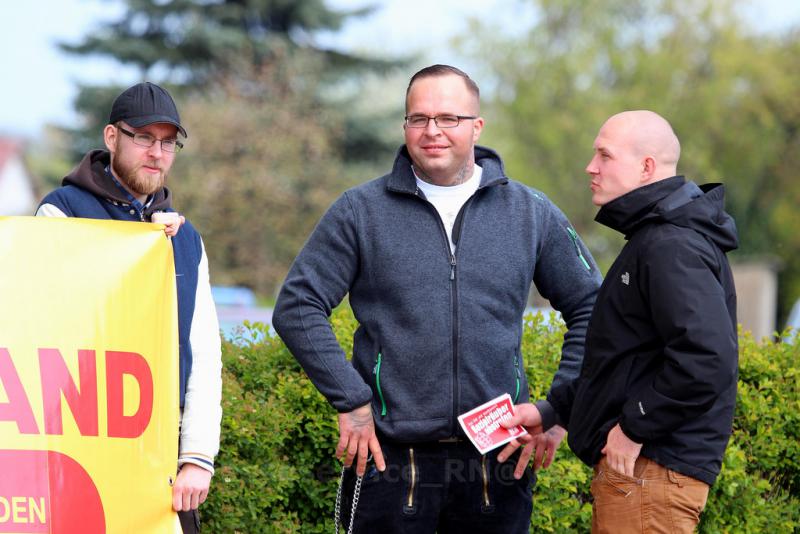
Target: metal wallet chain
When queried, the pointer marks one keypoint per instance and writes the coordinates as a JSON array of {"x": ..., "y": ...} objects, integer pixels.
[{"x": 337, "y": 514}]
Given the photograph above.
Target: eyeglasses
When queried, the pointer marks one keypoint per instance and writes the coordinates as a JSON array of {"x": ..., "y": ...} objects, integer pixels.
[
  {"x": 147, "y": 140},
  {"x": 441, "y": 121}
]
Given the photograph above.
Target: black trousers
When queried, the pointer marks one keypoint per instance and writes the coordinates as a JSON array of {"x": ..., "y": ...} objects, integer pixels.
[
  {"x": 440, "y": 487},
  {"x": 190, "y": 521}
]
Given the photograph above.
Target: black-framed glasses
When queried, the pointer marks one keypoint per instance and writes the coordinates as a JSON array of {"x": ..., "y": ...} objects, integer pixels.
[
  {"x": 441, "y": 121},
  {"x": 147, "y": 140}
]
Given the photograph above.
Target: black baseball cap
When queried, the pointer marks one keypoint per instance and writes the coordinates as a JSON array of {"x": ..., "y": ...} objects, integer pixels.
[{"x": 145, "y": 103}]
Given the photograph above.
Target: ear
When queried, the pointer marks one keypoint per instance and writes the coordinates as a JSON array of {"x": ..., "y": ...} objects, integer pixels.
[
  {"x": 648, "y": 169},
  {"x": 477, "y": 128},
  {"x": 110, "y": 135}
]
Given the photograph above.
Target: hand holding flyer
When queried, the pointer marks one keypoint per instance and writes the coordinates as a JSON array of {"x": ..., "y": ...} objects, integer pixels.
[{"x": 482, "y": 424}]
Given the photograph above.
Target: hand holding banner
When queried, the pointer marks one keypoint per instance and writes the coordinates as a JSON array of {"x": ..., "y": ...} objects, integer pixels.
[{"x": 88, "y": 377}]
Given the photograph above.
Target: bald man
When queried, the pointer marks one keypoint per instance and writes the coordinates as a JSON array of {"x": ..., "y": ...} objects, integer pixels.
[{"x": 653, "y": 406}]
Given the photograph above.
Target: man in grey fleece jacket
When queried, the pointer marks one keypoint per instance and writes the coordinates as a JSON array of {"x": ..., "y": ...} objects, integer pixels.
[{"x": 437, "y": 257}]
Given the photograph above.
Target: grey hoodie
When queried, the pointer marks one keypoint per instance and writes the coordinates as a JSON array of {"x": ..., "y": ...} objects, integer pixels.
[{"x": 439, "y": 334}]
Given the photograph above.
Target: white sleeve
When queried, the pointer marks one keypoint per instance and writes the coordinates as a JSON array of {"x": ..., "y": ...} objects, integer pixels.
[
  {"x": 202, "y": 409},
  {"x": 49, "y": 210}
]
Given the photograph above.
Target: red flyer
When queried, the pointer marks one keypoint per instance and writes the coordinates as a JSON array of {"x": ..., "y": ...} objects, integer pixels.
[{"x": 482, "y": 424}]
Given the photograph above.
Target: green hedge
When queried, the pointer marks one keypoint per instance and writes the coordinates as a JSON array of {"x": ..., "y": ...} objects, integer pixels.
[{"x": 276, "y": 471}]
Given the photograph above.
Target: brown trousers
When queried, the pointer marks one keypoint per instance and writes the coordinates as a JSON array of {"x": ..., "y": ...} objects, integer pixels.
[{"x": 654, "y": 500}]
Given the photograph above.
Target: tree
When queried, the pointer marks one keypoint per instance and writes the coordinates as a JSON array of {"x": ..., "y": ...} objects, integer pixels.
[
  {"x": 729, "y": 93},
  {"x": 258, "y": 171},
  {"x": 195, "y": 41},
  {"x": 269, "y": 132},
  {"x": 191, "y": 44}
]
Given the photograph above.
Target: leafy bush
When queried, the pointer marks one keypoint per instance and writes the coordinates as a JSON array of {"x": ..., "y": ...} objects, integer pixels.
[
  {"x": 759, "y": 487},
  {"x": 276, "y": 471}
]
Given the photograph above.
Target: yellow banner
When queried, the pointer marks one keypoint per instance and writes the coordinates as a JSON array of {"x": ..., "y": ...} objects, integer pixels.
[{"x": 88, "y": 377}]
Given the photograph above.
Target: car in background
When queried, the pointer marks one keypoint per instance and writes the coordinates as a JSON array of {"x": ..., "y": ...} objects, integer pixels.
[{"x": 235, "y": 305}]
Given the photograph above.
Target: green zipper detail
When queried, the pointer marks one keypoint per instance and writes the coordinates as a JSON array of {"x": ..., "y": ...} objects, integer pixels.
[
  {"x": 516, "y": 369},
  {"x": 377, "y": 372},
  {"x": 574, "y": 236}
]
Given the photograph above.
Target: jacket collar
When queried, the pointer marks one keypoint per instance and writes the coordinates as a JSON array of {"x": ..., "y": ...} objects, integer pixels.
[
  {"x": 674, "y": 201},
  {"x": 402, "y": 180},
  {"x": 629, "y": 211}
]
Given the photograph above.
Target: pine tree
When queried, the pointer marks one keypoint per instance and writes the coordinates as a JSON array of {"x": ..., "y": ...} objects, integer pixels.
[{"x": 190, "y": 45}]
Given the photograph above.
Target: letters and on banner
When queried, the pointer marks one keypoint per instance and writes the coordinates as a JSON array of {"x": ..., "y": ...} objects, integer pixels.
[{"x": 88, "y": 377}]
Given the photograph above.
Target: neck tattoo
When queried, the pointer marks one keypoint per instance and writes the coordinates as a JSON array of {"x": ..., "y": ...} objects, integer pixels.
[{"x": 463, "y": 174}]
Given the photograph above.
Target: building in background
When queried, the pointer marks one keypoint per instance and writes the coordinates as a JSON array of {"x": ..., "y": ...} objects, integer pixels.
[
  {"x": 757, "y": 296},
  {"x": 17, "y": 191}
]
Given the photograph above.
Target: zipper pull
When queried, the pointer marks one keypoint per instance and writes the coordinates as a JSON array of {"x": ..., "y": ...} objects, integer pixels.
[
  {"x": 452, "y": 267},
  {"x": 574, "y": 236}
]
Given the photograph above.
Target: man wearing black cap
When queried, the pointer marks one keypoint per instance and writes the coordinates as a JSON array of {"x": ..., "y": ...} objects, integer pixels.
[{"x": 126, "y": 182}]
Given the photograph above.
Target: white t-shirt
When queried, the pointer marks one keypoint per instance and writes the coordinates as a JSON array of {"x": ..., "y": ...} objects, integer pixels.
[{"x": 449, "y": 200}]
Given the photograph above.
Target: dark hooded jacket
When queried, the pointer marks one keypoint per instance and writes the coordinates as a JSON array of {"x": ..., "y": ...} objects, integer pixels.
[
  {"x": 90, "y": 192},
  {"x": 661, "y": 347}
]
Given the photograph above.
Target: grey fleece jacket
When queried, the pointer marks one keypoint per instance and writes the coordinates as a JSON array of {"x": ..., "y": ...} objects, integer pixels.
[{"x": 439, "y": 334}]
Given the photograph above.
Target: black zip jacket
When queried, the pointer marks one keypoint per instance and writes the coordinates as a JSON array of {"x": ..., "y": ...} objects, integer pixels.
[{"x": 661, "y": 348}]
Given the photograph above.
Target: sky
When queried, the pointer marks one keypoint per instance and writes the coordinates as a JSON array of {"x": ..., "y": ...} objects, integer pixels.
[{"x": 40, "y": 82}]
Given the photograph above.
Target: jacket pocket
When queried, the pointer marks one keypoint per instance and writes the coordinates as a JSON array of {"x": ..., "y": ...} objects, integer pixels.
[
  {"x": 377, "y": 372},
  {"x": 517, "y": 378}
]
